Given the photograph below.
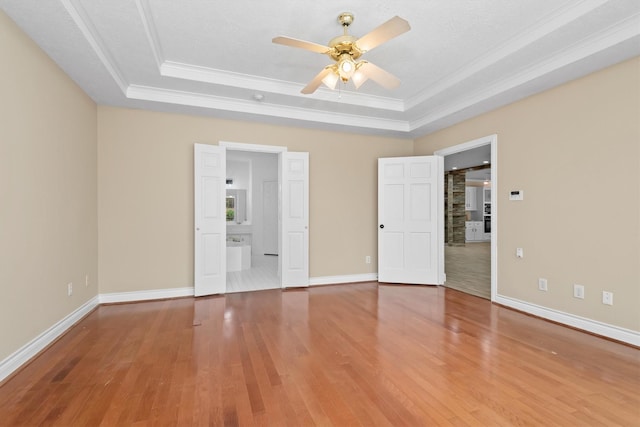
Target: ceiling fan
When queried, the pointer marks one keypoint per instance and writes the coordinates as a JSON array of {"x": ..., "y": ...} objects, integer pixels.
[{"x": 346, "y": 49}]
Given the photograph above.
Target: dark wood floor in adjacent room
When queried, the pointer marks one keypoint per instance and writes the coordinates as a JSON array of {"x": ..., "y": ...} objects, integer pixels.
[{"x": 358, "y": 354}]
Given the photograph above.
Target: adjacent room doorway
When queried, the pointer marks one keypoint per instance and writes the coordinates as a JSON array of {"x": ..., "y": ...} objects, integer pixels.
[{"x": 491, "y": 140}]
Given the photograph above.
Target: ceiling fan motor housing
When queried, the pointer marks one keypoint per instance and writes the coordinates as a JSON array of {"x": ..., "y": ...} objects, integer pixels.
[{"x": 344, "y": 44}]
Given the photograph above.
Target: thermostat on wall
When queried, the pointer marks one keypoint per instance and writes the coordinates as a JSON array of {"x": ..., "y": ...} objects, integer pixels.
[{"x": 516, "y": 195}]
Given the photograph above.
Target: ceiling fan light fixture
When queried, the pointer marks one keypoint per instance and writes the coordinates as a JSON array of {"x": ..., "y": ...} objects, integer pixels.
[
  {"x": 346, "y": 67},
  {"x": 346, "y": 49},
  {"x": 358, "y": 78},
  {"x": 330, "y": 80}
]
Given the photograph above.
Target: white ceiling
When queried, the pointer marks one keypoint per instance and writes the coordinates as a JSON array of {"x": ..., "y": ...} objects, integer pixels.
[
  {"x": 468, "y": 159},
  {"x": 461, "y": 57}
]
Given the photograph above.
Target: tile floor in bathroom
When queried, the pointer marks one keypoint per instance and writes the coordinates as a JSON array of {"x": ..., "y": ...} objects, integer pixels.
[{"x": 262, "y": 275}]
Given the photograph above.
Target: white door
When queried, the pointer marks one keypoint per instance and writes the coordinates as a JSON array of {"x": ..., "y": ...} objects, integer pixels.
[
  {"x": 295, "y": 219},
  {"x": 210, "y": 252},
  {"x": 270, "y": 217},
  {"x": 409, "y": 220}
]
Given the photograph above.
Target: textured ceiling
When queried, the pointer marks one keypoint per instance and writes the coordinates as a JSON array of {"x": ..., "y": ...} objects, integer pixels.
[{"x": 460, "y": 58}]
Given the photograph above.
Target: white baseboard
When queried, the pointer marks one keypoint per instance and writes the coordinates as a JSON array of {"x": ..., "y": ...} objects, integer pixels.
[
  {"x": 33, "y": 347},
  {"x": 610, "y": 331},
  {"x": 335, "y": 280},
  {"x": 117, "y": 297}
]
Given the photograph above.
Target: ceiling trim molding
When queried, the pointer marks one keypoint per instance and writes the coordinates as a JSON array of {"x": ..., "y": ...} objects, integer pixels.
[
  {"x": 262, "y": 84},
  {"x": 146, "y": 93},
  {"x": 324, "y": 99},
  {"x": 84, "y": 24},
  {"x": 621, "y": 32},
  {"x": 192, "y": 72},
  {"x": 527, "y": 36},
  {"x": 150, "y": 29}
]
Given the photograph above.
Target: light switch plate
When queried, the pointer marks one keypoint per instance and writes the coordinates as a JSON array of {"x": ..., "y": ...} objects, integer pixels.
[{"x": 516, "y": 195}]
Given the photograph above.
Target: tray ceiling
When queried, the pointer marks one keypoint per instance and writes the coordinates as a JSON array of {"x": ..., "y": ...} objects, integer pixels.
[{"x": 460, "y": 59}]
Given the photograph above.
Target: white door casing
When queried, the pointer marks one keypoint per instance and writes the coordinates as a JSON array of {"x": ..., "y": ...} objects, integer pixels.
[
  {"x": 210, "y": 220},
  {"x": 210, "y": 251},
  {"x": 409, "y": 223},
  {"x": 491, "y": 140},
  {"x": 295, "y": 219}
]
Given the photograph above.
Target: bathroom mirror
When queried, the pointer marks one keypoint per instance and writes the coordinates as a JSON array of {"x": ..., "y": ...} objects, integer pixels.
[{"x": 236, "y": 206}]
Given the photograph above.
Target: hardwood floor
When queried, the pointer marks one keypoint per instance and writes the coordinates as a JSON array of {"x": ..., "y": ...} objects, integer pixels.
[
  {"x": 358, "y": 354},
  {"x": 468, "y": 268}
]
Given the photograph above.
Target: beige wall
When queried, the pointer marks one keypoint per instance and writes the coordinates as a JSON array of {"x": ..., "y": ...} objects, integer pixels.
[
  {"x": 574, "y": 150},
  {"x": 145, "y": 176},
  {"x": 48, "y": 200}
]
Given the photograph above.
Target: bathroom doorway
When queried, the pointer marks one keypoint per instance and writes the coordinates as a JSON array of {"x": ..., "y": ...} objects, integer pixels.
[
  {"x": 211, "y": 218},
  {"x": 252, "y": 221}
]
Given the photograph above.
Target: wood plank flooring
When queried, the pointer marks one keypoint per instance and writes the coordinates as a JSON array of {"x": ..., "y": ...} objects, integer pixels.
[
  {"x": 358, "y": 354},
  {"x": 468, "y": 268}
]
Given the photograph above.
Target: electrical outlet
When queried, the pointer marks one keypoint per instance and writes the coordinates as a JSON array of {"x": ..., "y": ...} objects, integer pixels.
[
  {"x": 578, "y": 291},
  {"x": 367, "y": 259},
  {"x": 86, "y": 280},
  {"x": 542, "y": 284},
  {"x": 607, "y": 298},
  {"x": 69, "y": 289},
  {"x": 519, "y": 253}
]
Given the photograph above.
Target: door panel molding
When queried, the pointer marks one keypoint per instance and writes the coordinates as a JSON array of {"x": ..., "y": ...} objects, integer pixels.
[
  {"x": 210, "y": 256},
  {"x": 409, "y": 220}
]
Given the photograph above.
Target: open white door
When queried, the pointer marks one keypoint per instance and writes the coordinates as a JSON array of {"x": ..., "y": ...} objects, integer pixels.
[
  {"x": 295, "y": 219},
  {"x": 270, "y": 217},
  {"x": 409, "y": 220},
  {"x": 210, "y": 252}
]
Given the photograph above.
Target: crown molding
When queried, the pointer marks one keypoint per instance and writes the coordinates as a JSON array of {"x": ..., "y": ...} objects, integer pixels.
[
  {"x": 618, "y": 33},
  {"x": 262, "y": 84},
  {"x": 150, "y": 29},
  {"x": 416, "y": 105},
  {"x": 168, "y": 68},
  {"x": 84, "y": 24},
  {"x": 146, "y": 93},
  {"x": 553, "y": 22}
]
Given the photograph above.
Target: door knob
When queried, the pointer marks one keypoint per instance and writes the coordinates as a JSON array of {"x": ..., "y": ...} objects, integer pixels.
[{"x": 381, "y": 225}]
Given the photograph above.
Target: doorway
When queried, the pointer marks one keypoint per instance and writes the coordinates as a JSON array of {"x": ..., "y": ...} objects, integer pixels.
[
  {"x": 478, "y": 250},
  {"x": 252, "y": 181},
  {"x": 211, "y": 213}
]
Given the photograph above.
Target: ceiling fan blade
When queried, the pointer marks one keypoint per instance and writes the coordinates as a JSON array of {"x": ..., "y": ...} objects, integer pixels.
[
  {"x": 302, "y": 44},
  {"x": 380, "y": 76},
  {"x": 385, "y": 32},
  {"x": 317, "y": 81}
]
